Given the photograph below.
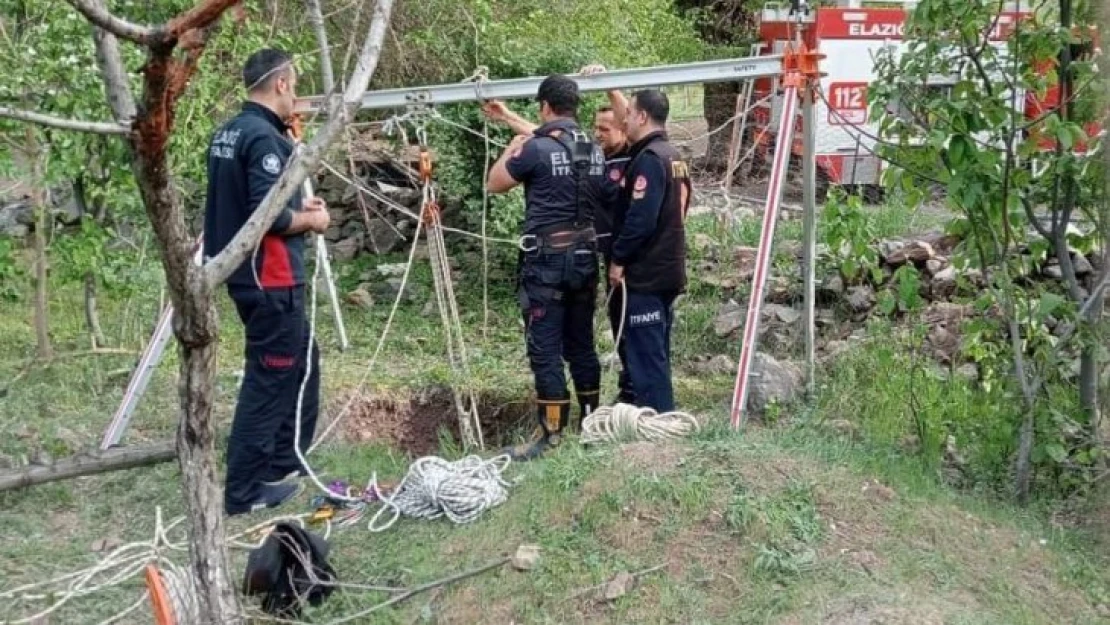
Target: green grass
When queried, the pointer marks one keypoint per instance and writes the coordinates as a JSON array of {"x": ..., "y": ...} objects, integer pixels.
[{"x": 771, "y": 526}]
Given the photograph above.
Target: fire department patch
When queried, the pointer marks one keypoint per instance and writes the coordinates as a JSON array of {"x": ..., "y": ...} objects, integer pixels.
[
  {"x": 271, "y": 163},
  {"x": 641, "y": 184}
]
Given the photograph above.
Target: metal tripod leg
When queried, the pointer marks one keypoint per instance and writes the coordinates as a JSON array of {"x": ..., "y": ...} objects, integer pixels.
[{"x": 140, "y": 377}]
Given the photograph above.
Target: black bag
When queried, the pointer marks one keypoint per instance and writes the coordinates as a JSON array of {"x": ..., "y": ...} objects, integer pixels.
[{"x": 277, "y": 570}]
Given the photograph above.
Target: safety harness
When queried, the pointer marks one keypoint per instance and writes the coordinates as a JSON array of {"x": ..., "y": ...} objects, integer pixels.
[
  {"x": 560, "y": 237},
  {"x": 564, "y": 238}
]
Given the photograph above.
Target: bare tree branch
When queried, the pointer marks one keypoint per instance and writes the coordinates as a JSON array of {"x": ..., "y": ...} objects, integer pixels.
[
  {"x": 316, "y": 16},
  {"x": 94, "y": 11},
  {"x": 300, "y": 166},
  {"x": 112, "y": 72},
  {"x": 203, "y": 15},
  {"x": 100, "y": 128}
]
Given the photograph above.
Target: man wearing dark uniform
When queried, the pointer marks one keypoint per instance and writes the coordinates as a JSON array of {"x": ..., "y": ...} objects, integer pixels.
[
  {"x": 245, "y": 158},
  {"x": 562, "y": 172},
  {"x": 649, "y": 249},
  {"x": 609, "y": 135}
]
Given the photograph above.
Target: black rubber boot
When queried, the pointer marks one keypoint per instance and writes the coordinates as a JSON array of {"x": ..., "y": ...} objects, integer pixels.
[
  {"x": 587, "y": 403},
  {"x": 553, "y": 416}
]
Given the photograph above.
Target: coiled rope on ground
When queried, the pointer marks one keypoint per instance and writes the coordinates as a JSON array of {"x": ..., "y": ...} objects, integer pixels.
[
  {"x": 435, "y": 488},
  {"x": 625, "y": 422}
]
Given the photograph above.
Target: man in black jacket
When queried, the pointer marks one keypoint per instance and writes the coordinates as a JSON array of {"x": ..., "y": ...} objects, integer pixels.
[
  {"x": 245, "y": 158},
  {"x": 562, "y": 172},
  {"x": 609, "y": 136},
  {"x": 649, "y": 251}
]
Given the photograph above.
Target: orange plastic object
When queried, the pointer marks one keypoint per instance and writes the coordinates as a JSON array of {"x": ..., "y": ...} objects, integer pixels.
[
  {"x": 159, "y": 599},
  {"x": 296, "y": 126},
  {"x": 425, "y": 165},
  {"x": 800, "y": 65}
]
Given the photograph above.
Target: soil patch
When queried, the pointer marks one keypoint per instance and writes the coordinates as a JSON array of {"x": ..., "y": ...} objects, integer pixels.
[
  {"x": 657, "y": 457},
  {"x": 417, "y": 422}
]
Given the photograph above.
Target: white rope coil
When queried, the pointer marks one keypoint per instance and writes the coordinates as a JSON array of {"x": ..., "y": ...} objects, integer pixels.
[
  {"x": 625, "y": 422},
  {"x": 434, "y": 488},
  {"x": 180, "y": 585}
]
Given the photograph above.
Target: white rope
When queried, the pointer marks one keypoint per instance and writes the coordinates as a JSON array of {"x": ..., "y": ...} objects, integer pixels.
[
  {"x": 615, "y": 356},
  {"x": 625, "y": 422},
  {"x": 127, "y": 562},
  {"x": 181, "y": 587},
  {"x": 725, "y": 124},
  {"x": 388, "y": 203},
  {"x": 434, "y": 488},
  {"x": 381, "y": 341},
  {"x": 469, "y": 423}
]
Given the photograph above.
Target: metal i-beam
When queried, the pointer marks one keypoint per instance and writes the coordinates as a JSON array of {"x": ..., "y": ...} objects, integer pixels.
[{"x": 726, "y": 70}]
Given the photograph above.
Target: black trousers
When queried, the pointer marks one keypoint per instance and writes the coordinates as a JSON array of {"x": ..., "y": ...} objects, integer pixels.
[
  {"x": 261, "y": 444},
  {"x": 616, "y": 304},
  {"x": 558, "y": 296}
]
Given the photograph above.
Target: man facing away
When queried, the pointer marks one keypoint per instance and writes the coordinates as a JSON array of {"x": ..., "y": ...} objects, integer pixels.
[
  {"x": 609, "y": 135},
  {"x": 648, "y": 254},
  {"x": 562, "y": 173},
  {"x": 245, "y": 158}
]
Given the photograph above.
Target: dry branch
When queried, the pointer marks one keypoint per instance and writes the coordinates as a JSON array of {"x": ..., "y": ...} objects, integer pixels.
[
  {"x": 41, "y": 119},
  {"x": 101, "y": 17},
  {"x": 112, "y": 72},
  {"x": 316, "y": 16},
  {"x": 89, "y": 464}
]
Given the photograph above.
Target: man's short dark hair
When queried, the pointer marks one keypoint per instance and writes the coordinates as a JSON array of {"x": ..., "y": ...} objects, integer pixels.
[
  {"x": 654, "y": 103},
  {"x": 263, "y": 67},
  {"x": 560, "y": 93}
]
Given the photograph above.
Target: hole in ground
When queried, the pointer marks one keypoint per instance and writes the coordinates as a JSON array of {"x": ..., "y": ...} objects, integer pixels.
[{"x": 416, "y": 422}]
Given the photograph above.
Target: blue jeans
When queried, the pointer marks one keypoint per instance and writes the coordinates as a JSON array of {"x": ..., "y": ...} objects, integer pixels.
[{"x": 647, "y": 343}]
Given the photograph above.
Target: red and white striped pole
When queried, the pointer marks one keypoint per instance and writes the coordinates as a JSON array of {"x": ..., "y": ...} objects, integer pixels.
[{"x": 783, "y": 144}]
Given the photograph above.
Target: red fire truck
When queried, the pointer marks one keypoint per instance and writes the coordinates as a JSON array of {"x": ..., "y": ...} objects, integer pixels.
[{"x": 850, "y": 35}]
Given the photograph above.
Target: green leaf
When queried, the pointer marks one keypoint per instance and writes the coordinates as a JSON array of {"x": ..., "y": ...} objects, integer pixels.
[
  {"x": 1065, "y": 136},
  {"x": 887, "y": 302},
  {"x": 1047, "y": 305},
  {"x": 1056, "y": 451}
]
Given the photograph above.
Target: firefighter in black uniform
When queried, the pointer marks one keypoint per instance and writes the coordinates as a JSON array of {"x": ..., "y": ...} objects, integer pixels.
[
  {"x": 609, "y": 135},
  {"x": 562, "y": 172},
  {"x": 649, "y": 249},
  {"x": 245, "y": 158}
]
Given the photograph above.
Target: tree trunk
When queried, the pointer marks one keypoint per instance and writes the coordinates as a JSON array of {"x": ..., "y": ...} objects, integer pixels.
[
  {"x": 115, "y": 459},
  {"x": 92, "y": 315},
  {"x": 42, "y": 222},
  {"x": 719, "y": 105},
  {"x": 1023, "y": 473},
  {"x": 197, "y": 330},
  {"x": 196, "y": 453}
]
